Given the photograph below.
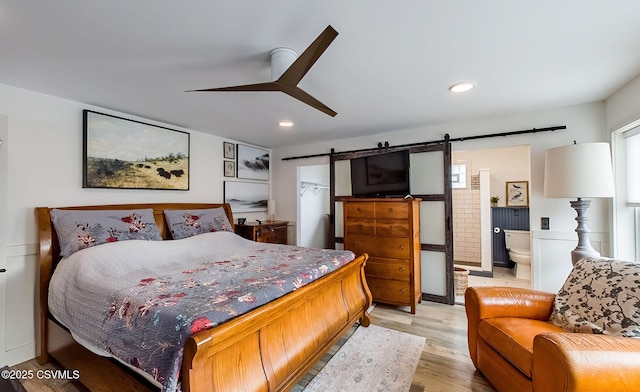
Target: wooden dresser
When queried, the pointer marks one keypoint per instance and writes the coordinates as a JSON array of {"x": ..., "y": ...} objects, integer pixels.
[
  {"x": 272, "y": 232},
  {"x": 389, "y": 231}
]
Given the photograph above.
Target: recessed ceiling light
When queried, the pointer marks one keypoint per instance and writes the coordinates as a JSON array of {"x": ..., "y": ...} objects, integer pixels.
[
  {"x": 285, "y": 123},
  {"x": 461, "y": 87}
]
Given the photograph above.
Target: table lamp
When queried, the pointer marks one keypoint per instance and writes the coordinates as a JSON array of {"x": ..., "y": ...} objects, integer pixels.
[{"x": 579, "y": 171}]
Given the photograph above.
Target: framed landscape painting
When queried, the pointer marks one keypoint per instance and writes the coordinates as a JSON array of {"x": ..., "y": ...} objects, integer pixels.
[
  {"x": 128, "y": 154},
  {"x": 253, "y": 163},
  {"x": 246, "y": 196}
]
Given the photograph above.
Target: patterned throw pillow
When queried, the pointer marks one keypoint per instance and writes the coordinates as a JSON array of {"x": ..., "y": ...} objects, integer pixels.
[
  {"x": 600, "y": 296},
  {"x": 80, "y": 229},
  {"x": 187, "y": 223}
]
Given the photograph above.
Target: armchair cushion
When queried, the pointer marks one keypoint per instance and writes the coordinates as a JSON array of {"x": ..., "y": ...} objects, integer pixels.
[
  {"x": 585, "y": 363},
  {"x": 600, "y": 296},
  {"x": 512, "y": 337}
]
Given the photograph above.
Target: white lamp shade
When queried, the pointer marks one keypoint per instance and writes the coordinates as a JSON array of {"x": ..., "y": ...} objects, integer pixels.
[
  {"x": 271, "y": 208},
  {"x": 579, "y": 170}
]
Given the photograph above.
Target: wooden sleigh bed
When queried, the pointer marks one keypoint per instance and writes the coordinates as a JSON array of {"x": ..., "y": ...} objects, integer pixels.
[{"x": 268, "y": 349}]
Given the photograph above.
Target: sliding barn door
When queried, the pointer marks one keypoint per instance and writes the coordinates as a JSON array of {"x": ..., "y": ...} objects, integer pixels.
[{"x": 431, "y": 182}]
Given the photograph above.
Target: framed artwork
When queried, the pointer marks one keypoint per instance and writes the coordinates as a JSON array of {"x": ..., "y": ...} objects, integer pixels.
[
  {"x": 517, "y": 193},
  {"x": 129, "y": 154},
  {"x": 229, "y": 150},
  {"x": 253, "y": 163},
  {"x": 246, "y": 196},
  {"x": 229, "y": 169}
]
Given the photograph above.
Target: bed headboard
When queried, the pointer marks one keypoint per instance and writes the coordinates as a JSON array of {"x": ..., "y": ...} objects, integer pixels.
[
  {"x": 49, "y": 240},
  {"x": 49, "y": 249}
]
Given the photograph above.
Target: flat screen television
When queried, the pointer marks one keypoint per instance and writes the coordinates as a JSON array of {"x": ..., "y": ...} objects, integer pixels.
[{"x": 382, "y": 175}]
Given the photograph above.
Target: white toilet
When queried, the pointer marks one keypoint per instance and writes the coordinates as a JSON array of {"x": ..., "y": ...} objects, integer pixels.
[{"x": 518, "y": 244}]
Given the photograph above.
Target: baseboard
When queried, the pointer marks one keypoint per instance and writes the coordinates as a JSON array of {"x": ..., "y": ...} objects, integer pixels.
[
  {"x": 20, "y": 354},
  {"x": 484, "y": 274},
  {"x": 468, "y": 263}
]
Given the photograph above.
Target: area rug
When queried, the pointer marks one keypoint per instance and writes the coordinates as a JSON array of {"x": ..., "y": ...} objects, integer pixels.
[{"x": 372, "y": 359}]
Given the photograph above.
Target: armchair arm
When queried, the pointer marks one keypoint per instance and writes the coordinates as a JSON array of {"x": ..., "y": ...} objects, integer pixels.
[
  {"x": 572, "y": 362},
  {"x": 491, "y": 302}
]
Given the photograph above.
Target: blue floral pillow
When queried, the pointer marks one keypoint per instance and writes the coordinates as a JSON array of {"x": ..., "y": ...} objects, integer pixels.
[
  {"x": 600, "y": 296},
  {"x": 80, "y": 229},
  {"x": 187, "y": 223}
]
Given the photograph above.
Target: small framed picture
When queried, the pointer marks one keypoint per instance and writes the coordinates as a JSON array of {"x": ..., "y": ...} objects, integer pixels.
[
  {"x": 229, "y": 169},
  {"x": 229, "y": 150},
  {"x": 517, "y": 193}
]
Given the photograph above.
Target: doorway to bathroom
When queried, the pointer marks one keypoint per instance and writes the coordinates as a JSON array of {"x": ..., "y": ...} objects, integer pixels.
[{"x": 480, "y": 196}]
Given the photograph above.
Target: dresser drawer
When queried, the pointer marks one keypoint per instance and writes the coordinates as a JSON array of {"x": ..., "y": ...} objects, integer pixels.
[
  {"x": 386, "y": 227},
  {"x": 360, "y": 226},
  {"x": 388, "y": 269},
  {"x": 359, "y": 210},
  {"x": 389, "y": 247},
  {"x": 392, "y": 291},
  {"x": 392, "y": 210}
]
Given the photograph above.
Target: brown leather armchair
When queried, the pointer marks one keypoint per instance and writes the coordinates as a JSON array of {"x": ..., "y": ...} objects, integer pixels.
[{"x": 517, "y": 349}]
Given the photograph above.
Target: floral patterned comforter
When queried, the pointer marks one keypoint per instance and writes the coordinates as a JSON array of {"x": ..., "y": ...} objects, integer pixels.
[{"x": 140, "y": 300}]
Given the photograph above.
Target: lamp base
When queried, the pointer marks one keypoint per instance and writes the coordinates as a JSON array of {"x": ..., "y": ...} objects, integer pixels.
[{"x": 584, "y": 248}]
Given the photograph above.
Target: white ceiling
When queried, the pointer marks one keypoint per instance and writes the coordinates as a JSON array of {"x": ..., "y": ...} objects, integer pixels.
[{"x": 388, "y": 69}]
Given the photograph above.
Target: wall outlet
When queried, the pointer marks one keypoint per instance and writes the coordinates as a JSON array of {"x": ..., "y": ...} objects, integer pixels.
[{"x": 544, "y": 223}]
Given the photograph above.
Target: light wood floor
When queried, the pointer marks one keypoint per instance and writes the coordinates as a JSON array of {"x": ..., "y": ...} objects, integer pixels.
[{"x": 444, "y": 364}]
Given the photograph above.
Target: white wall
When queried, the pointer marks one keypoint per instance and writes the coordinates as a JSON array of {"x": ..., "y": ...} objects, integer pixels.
[
  {"x": 45, "y": 169},
  {"x": 585, "y": 123}
]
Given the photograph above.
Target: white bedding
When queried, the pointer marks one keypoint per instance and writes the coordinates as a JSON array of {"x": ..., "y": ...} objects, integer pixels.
[{"x": 140, "y": 300}]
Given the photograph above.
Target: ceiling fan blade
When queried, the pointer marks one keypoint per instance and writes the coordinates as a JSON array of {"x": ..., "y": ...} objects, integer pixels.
[
  {"x": 303, "y": 96},
  {"x": 287, "y": 83},
  {"x": 268, "y": 86},
  {"x": 305, "y": 61}
]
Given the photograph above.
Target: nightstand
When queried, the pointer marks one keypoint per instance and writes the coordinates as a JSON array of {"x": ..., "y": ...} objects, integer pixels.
[{"x": 272, "y": 232}]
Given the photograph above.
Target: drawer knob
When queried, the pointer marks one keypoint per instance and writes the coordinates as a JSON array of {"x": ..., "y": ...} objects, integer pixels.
[
  {"x": 402, "y": 269},
  {"x": 390, "y": 209},
  {"x": 402, "y": 291},
  {"x": 2, "y": 270},
  {"x": 401, "y": 246}
]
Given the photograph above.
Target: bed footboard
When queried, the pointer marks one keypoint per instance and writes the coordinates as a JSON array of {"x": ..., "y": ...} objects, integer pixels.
[{"x": 271, "y": 348}]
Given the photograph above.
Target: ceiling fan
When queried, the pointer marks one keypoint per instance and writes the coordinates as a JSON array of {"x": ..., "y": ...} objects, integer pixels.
[{"x": 294, "y": 70}]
